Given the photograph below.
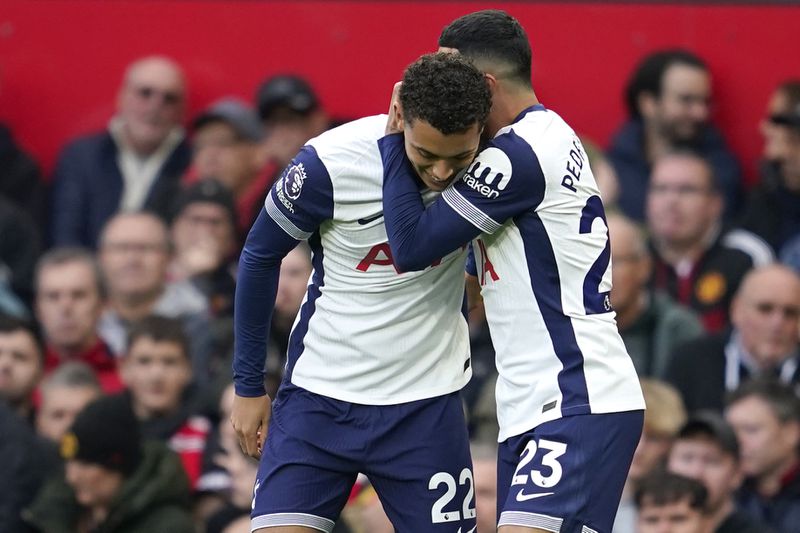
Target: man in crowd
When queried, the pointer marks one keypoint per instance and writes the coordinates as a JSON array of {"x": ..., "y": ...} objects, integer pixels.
[
  {"x": 70, "y": 296},
  {"x": 763, "y": 341},
  {"x": 21, "y": 355},
  {"x": 651, "y": 322},
  {"x": 698, "y": 263},
  {"x": 63, "y": 394},
  {"x": 670, "y": 503},
  {"x": 706, "y": 449},
  {"x": 134, "y": 254},
  {"x": 158, "y": 374},
  {"x": 227, "y": 142},
  {"x": 669, "y": 106},
  {"x": 135, "y": 164},
  {"x": 112, "y": 480},
  {"x": 766, "y": 417}
]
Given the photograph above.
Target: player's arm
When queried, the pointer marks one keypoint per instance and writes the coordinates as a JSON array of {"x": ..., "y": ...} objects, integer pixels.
[
  {"x": 417, "y": 236},
  {"x": 479, "y": 202},
  {"x": 294, "y": 208},
  {"x": 471, "y": 285}
]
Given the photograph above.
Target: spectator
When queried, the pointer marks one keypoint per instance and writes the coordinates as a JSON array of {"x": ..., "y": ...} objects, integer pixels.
[
  {"x": 766, "y": 417},
  {"x": 134, "y": 257},
  {"x": 203, "y": 232},
  {"x": 135, "y": 164},
  {"x": 62, "y": 395},
  {"x": 706, "y": 450},
  {"x": 19, "y": 250},
  {"x": 669, "y": 106},
  {"x": 24, "y": 468},
  {"x": 20, "y": 180},
  {"x": 227, "y": 142},
  {"x": 763, "y": 341},
  {"x": 20, "y": 364},
  {"x": 158, "y": 374},
  {"x": 773, "y": 207},
  {"x": 292, "y": 115},
  {"x": 69, "y": 300},
  {"x": 113, "y": 481},
  {"x": 670, "y": 503},
  {"x": 696, "y": 262},
  {"x": 651, "y": 322},
  {"x": 665, "y": 415}
]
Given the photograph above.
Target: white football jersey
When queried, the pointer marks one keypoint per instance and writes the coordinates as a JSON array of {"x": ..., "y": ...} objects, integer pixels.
[
  {"x": 543, "y": 263},
  {"x": 365, "y": 333}
]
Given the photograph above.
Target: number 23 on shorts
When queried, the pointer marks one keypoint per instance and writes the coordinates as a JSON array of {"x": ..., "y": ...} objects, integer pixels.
[{"x": 546, "y": 478}]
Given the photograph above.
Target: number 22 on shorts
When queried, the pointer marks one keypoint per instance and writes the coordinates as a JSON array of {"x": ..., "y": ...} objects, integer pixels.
[{"x": 438, "y": 512}]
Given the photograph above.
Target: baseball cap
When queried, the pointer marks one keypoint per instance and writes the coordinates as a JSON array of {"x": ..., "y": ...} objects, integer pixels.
[
  {"x": 237, "y": 114},
  {"x": 712, "y": 425},
  {"x": 207, "y": 190},
  {"x": 286, "y": 91},
  {"x": 105, "y": 432}
]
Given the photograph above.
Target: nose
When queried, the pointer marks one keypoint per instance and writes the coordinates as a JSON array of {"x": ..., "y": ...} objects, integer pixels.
[{"x": 442, "y": 170}]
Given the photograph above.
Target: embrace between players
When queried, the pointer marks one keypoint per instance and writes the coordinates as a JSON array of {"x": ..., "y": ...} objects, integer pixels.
[{"x": 393, "y": 209}]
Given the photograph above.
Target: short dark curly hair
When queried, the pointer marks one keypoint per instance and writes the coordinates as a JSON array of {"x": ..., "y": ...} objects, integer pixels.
[{"x": 447, "y": 91}]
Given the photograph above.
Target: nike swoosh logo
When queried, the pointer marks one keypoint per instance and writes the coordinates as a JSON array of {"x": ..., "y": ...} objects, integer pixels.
[
  {"x": 367, "y": 220},
  {"x": 522, "y": 497},
  {"x": 470, "y": 531}
]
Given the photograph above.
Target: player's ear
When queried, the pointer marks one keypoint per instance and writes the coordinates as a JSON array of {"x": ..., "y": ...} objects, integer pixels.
[
  {"x": 397, "y": 115},
  {"x": 491, "y": 81}
]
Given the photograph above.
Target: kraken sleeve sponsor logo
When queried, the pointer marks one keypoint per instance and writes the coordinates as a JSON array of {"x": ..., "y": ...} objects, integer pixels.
[{"x": 489, "y": 174}]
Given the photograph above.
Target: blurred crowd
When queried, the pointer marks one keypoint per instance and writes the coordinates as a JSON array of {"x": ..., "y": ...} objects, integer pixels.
[{"x": 117, "y": 277}]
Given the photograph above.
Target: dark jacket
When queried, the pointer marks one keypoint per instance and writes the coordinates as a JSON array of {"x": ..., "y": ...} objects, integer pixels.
[
  {"x": 772, "y": 211},
  {"x": 88, "y": 186},
  {"x": 633, "y": 170},
  {"x": 20, "y": 179},
  {"x": 711, "y": 285},
  {"x": 19, "y": 249},
  {"x": 739, "y": 522},
  {"x": 697, "y": 369},
  {"x": 23, "y": 468},
  {"x": 154, "y": 498},
  {"x": 782, "y": 511}
]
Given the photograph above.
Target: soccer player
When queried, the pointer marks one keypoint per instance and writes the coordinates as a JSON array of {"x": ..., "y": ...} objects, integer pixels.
[
  {"x": 568, "y": 400},
  {"x": 376, "y": 357}
]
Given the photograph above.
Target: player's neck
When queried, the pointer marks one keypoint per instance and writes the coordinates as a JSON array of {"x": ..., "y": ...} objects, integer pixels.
[{"x": 507, "y": 104}]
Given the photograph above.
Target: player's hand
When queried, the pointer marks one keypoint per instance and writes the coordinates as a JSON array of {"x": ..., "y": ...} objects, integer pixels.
[
  {"x": 393, "y": 123},
  {"x": 250, "y": 419}
]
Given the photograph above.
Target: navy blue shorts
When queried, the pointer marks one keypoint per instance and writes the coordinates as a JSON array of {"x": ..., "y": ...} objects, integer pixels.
[
  {"x": 567, "y": 475},
  {"x": 415, "y": 454}
]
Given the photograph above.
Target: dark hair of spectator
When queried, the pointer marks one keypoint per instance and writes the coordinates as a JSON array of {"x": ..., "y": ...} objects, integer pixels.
[
  {"x": 781, "y": 398},
  {"x": 71, "y": 254},
  {"x": 662, "y": 488},
  {"x": 447, "y": 92},
  {"x": 159, "y": 329},
  {"x": 492, "y": 37},
  {"x": 10, "y": 324},
  {"x": 791, "y": 89},
  {"x": 649, "y": 74}
]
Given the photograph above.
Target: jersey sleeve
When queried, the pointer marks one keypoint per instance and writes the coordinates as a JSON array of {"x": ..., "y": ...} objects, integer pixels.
[
  {"x": 302, "y": 198},
  {"x": 296, "y": 205},
  {"x": 504, "y": 181},
  {"x": 480, "y": 201}
]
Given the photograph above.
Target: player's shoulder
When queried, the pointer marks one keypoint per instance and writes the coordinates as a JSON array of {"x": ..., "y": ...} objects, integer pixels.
[{"x": 346, "y": 148}]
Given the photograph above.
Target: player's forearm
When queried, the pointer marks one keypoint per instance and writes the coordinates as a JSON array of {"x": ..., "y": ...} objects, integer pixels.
[
  {"x": 256, "y": 289},
  {"x": 417, "y": 236}
]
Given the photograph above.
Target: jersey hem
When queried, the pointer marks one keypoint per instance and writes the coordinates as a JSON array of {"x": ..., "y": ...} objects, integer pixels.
[
  {"x": 345, "y": 396},
  {"x": 524, "y": 427}
]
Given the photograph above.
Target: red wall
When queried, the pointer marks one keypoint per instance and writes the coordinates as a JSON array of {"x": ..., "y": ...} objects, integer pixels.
[{"x": 61, "y": 61}]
